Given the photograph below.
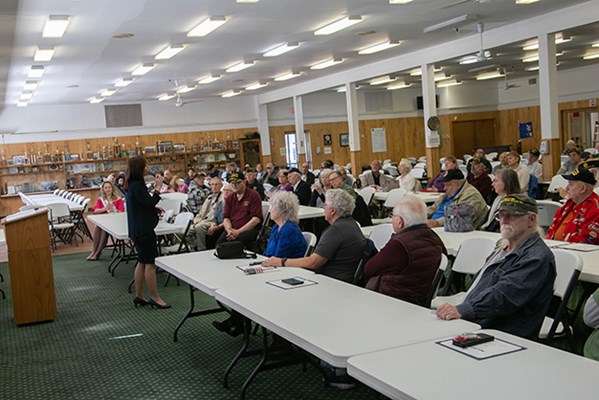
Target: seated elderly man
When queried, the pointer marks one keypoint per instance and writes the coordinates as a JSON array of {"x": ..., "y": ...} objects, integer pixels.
[
  {"x": 513, "y": 160},
  {"x": 406, "y": 266},
  {"x": 377, "y": 178},
  {"x": 479, "y": 178},
  {"x": 513, "y": 290},
  {"x": 578, "y": 220},
  {"x": 568, "y": 166},
  {"x": 300, "y": 188},
  {"x": 480, "y": 154},
  {"x": 457, "y": 190},
  {"x": 340, "y": 247},
  {"x": 534, "y": 166},
  {"x": 204, "y": 222},
  {"x": 198, "y": 192},
  {"x": 502, "y": 158}
]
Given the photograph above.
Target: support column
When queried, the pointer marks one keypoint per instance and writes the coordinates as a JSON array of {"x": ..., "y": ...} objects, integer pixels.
[
  {"x": 432, "y": 138},
  {"x": 299, "y": 126},
  {"x": 550, "y": 130},
  {"x": 351, "y": 101},
  {"x": 262, "y": 118}
]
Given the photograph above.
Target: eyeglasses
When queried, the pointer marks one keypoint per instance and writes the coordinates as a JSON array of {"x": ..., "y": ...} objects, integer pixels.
[
  {"x": 335, "y": 178},
  {"x": 507, "y": 216}
]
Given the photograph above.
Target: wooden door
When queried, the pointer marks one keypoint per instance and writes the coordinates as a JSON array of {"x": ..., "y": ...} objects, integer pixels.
[{"x": 468, "y": 135}]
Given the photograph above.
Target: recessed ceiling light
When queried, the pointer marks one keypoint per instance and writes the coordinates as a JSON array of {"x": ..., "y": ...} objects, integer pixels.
[
  {"x": 108, "y": 92},
  {"x": 43, "y": 54},
  {"x": 22, "y": 103},
  {"x": 399, "y": 85},
  {"x": 36, "y": 71},
  {"x": 381, "y": 80},
  {"x": 166, "y": 96},
  {"x": 231, "y": 93},
  {"x": 402, "y": 1},
  {"x": 126, "y": 35},
  {"x": 169, "y": 52},
  {"x": 209, "y": 79},
  {"x": 31, "y": 85},
  {"x": 339, "y": 25},
  {"x": 327, "y": 63},
  {"x": 26, "y": 96},
  {"x": 55, "y": 27},
  {"x": 452, "y": 82},
  {"x": 380, "y": 47},
  {"x": 240, "y": 66},
  {"x": 287, "y": 76},
  {"x": 185, "y": 89},
  {"x": 526, "y": 1},
  {"x": 143, "y": 69},
  {"x": 489, "y": 75},
  {"x": 277, "y": 51},
  {"x": 207, "y": 26},
  {"x": 441, "y": 77},
  {"x": 124, "y": 82},
  {"x": 96, "y": 100},
  {"x": 256, "y": 85}
]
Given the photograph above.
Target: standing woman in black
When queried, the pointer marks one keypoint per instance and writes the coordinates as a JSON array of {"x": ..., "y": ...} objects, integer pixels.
[{"x": 142, "y": 218}]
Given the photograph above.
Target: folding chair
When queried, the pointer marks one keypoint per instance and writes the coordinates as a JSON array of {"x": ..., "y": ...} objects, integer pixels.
[
  {"x": 568, "y": 265},
  {"x": 368, "y": 252},
  {"x": 170, "y": 204},
  {"x": 470, "y": 259},
  {"x": 380, "y": 235},
  {"x": 436, "y": 283},
  {"x": 547, "y": 210},
  {"x": 367, "y": 194},
  {"x": 557, "y": 182},
  {"x": 184, "y": 221},
  {"x": 310, "y": 241},
  {"x": 60, "y": 224}
]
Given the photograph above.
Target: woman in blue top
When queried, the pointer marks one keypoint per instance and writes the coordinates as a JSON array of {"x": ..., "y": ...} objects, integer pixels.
[{"x": 286, "y": 239}]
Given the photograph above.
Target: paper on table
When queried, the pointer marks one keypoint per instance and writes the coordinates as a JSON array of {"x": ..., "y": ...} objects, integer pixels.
[
  {"x": 483, "y": 351},
  {"x": 576, "y": 246}
]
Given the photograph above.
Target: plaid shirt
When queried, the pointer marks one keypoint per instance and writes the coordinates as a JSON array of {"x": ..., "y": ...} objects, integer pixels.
[{"x": 196, "y": 197}]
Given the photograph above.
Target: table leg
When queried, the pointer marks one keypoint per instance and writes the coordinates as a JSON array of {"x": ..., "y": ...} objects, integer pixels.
[
  {"x": 246, "y": 342},
  {"x": 191, "y": 313}
]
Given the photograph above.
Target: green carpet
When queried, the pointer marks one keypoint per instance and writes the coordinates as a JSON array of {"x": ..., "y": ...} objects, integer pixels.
[{"x": 80, "y": 355}]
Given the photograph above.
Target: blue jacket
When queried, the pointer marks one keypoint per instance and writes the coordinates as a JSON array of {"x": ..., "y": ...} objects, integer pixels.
[
  {"x": 288, "y": 242},
  {"x": 142, "y": 217},
  {"x": 514, "y": 294}
]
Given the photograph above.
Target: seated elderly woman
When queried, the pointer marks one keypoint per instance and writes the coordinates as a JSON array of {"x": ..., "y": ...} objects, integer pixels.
[
  {"x": 284, "y": 181},
  {"x": 406, "y": 180},
  {"x": 320, "y": 188},
  {"x": 286, "y": 239}
]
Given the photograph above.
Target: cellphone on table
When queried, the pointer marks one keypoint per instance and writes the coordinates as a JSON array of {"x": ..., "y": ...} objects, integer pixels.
[
  {"x": 472, "y": 339},
  {"x": 292, "y": 281}
]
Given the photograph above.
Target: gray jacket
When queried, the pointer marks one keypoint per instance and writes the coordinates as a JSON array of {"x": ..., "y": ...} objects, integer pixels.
[{"x": 514, "y": 294}]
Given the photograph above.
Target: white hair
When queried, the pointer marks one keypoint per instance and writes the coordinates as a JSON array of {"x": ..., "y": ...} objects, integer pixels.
[
  {"x": 341, "y": 201},
  {"x": 411, "y": 209}
]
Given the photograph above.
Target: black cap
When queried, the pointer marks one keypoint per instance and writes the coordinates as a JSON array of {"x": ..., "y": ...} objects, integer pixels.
[
  {"x": 452, "y": 174},
  {"x": 535, "y": 152},
  {"x": 476, "y": 159},
  {"x": 236, "y": 177},
  {"x": 518, "y": 204},
  {"x": 581, "y": 174}
]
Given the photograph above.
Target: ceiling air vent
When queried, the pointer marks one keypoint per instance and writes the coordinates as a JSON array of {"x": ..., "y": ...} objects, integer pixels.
[
  {"x": 532, "y": 81},
  {"x": 123, "y": 115}
]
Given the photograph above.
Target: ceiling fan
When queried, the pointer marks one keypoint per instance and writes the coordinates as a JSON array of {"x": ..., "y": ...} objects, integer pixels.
[
  {"x": 482, "y": 54},
  {"x": 506, "y": 84},
  {"x": 178, "y": 90}
]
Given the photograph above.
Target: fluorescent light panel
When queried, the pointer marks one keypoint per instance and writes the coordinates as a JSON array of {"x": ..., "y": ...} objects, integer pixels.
[
  {"x": 535, "y": 57},
  {"x": 381, "y": 80},
  {"x": 169, "y": 52},
  {"x": 22, "y": 103},
  {"x": 489, "y": 75},
  {"x": 287, "y": 76},
  {"x": 55, "y": 26},
  {"x": 256, "y": 85},
  {"x": 418, "y": 71},
  {"x": 441, "y": 77},
  {"x": 209, "y": 79},
  {"x": 108, "y": 92},
  {"x": 380, "y": 47},
  {"x": 124, "y": 82},
  {"x": 166, "y": 96},
  {"x": 400, "y": 1},
  {"x": 185, "y": 89},
  {"x": 231, "y": 93},
  {"x": 277, "y": 51},
  {"x": 26, "y": 96},
  {"x": 591, "y": 56},
  {"x": 399, "y": 85},
  {"x": 43, "y": 54},
  {"x": 452, "y": 82},
  {"x": 240, "y": 66},
  {"x": 559, "y": 39},
  {"x": 207, "y": 26},
  {"x": 327, "y": 63},
  {"x": 248, "y": 1},
  {"x": 339, "y": 25},
  {"x": 143, "y": 69},
  {"x": 526, "y": 1},
  {"x": 31, "y": 85},
  {"x": 36, "y": 71},
  {"x": 96, "y": 100},
  {"x": 596, "y": 44}
]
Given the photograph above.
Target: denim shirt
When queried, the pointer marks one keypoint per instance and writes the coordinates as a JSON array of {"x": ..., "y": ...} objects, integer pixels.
[{"x": 513, "y": 295}]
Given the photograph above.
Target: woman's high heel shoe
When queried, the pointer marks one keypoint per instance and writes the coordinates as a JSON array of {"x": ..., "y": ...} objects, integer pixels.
[
  {"x": 153, "y": 304},
  {"x": 139, "y": 302}
]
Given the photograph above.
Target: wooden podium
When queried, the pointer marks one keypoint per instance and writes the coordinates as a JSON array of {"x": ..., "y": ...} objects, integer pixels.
[{"x": 30, "y": 267}]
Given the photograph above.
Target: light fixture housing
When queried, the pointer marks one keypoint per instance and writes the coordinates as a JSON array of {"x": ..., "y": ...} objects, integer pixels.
[
  {"x": 282, "y": 49},
  {"x": 256, "y": 85},
  {"x": 169, "y": 52},
  {"x": 526, "y": 1},
  {"x": 231, "y": 93},
  {"x": 338, "y": 25},
  {"x": 108, "y": 92},
  {"x": 143, "y": 69},
  {"x": 418, "y": 71},
  {"x": 451, "y": 22},
  {"x": 535, "y": 57},
  {"x": 56, "y": 26},
  {"x": 167, "y": 96},
  {"x": 248, "y": 1},
  {"x": 240, "y": 66},
  {"x": 36, "y": 71},
  {"x": 380, "y": 47},
  {"x": 559, "y": 39},
  {"x": 43, "y": 54},
  {"x": 208, "y": 25},
  {"x": 452, "y": 82},
  {"x": 595, "y": 44},
  {"x": 489, "y": 75},
  {"x": 327, "y": 63},
  {"x": 96, "y": 100},
  {"x": 382, "y": 80},
  {"x": 186, "y": 89},
  {"x": 399, "y": 85},
  {"x": 287, "y": 76},
  {"x": 209, "y": 79},
  {"x": 124, "y": 82},
  {"x": 441, "y": 76},
  {"x": 591, "y": 56},
  {"x": 31, "y": 85}
]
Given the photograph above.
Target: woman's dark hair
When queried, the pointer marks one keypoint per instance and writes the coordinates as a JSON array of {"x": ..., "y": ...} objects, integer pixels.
[
  {"x": 510, "y": 180},
  {"x": 135, "y": 170}
]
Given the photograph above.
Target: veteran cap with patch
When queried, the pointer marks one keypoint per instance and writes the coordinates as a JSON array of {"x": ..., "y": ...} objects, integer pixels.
[{"x": 518, "y": 204}]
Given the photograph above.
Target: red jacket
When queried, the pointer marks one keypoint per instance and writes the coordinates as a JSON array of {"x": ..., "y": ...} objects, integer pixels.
[{"x": 584, "y": 226}]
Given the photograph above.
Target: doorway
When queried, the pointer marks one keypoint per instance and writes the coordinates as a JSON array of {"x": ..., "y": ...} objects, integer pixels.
[
  {"x": 579, "y": 126},
  {"x": 468, "y": 135}
]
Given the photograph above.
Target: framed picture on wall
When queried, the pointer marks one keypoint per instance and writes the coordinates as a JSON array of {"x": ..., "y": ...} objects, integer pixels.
[
  {"x": 344, "y": 139},
  {"x": 165, "y": 147},
  {"x": 328, "y": 139},
  {"x": 150, "y": 150},
  {"x": 179, "y": 148}
]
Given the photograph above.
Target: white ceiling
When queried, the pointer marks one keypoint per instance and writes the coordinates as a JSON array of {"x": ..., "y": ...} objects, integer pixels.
[{"x": 88, "y": 59}]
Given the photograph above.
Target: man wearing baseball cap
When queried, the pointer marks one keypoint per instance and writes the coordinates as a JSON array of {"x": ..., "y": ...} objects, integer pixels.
[
  {"x": 513, "y": 290},
  {"x": 578, "y": 220},
  {"x": 534, "y": 166}
]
